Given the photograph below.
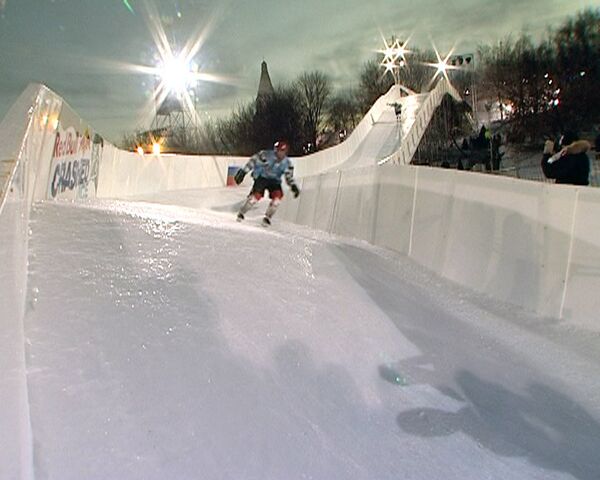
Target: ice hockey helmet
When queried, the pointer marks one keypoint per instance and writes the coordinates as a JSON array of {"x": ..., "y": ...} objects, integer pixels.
[{"x": 281, "y": 146}]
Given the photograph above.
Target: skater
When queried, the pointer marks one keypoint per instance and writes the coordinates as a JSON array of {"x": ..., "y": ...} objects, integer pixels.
[
  {"x": 267, "y": 167},
  {"x": 397, "y": 110}
]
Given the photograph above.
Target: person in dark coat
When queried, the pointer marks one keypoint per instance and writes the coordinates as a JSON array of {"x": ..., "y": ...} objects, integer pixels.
[
  {"x": 570, "y": 164},
  {"x": 496, "y": 153}
]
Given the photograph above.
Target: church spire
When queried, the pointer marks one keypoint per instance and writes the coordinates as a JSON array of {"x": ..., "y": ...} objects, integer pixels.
[{"x": 265, "y": 87}]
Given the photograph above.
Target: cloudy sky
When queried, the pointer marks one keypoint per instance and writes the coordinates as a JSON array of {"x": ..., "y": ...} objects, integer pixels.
[{"x": 79, "y": 47}]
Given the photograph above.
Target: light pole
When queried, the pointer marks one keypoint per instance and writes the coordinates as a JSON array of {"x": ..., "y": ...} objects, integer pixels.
[{"x": 466, "y": 62}]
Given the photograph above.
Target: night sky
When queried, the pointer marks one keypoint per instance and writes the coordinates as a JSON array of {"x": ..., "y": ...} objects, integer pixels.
[{"x": 78, "y": 47}]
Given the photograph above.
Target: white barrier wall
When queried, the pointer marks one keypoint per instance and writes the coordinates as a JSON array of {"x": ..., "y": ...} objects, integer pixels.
[
  {"x": 125, "y": 174},
  {"x": 531, "y": 244},
  {"x": 26, "y": 137},
  {"x": 581, "y": 296},
  {"x": 504, "y": 237}
]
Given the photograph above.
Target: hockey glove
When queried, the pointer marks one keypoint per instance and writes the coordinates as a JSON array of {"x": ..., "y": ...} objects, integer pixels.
[
  {"x": 295, "y": 190},
  {"x": 239, "y": 176}
]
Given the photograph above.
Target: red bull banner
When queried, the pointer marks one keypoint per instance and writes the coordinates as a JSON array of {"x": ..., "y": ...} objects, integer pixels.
[{"x": 75, "y": 159}]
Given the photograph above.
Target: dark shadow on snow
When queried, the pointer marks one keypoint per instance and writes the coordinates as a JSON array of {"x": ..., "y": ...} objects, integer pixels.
[{"x": 539, "y": 423}]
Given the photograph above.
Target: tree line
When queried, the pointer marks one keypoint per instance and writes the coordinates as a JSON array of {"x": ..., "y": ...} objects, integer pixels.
[
  {"x": 540, "y": 88},
  {"x": 546, "y": 87}
]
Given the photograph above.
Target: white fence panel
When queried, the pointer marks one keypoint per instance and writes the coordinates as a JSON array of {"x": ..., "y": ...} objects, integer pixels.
[
  {"x": 357, "y": 203},
  {"x": 582, "y": 296},
  {"x": 395, "y": 207}
]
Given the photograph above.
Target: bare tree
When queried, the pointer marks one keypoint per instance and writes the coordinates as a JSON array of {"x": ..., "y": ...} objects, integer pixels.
[
  {"x": 373, "y": 82},
  {"x": 315, "y": 89},
  {"x": 416, "y": 73},
  {"x": 577, "y": 47},
  {"x": 343, "y": 112},
  {"x": 279, "y": 116}
]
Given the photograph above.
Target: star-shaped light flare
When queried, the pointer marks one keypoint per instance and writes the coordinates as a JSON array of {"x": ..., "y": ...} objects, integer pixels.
[
  {"x": 394, "y": 50},
  {"x": 175, "y": 71},
  {"x": 394, "y": 56},
  {"x": 441, "y": 66}
]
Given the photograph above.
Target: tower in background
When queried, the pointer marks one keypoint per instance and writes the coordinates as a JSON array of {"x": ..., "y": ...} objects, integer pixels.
[
  {"x": 173, "y": 121},
  {"x": 265, "y": 87}
]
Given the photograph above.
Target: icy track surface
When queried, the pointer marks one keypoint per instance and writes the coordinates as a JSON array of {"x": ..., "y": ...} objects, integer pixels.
[{"x": 173, "y": 343}]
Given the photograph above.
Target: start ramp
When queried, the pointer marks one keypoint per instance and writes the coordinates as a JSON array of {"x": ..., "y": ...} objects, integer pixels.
[{"x": 381, "y": 137}]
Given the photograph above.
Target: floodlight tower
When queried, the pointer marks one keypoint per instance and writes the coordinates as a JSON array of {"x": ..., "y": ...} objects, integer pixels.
[
  {"x": 173, "y": 119},
  {"x": 393, "y": 58},
  {"x": 175, "y": 100}
]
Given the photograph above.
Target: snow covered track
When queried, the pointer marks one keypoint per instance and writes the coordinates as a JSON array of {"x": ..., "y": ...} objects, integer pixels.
[{"x": 167, "y": 342}]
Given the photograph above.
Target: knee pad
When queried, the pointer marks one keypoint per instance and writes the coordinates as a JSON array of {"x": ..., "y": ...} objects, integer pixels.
[{"x": 276, "y": 195}]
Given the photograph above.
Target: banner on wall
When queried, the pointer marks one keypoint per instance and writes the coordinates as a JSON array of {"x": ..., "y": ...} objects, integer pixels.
[
  {"x": 75, "y": 159},
  {"x": 231, "y": 171}
]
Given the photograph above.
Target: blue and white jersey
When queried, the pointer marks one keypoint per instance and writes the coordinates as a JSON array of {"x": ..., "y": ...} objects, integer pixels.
[{"x": 265, "y": 164}]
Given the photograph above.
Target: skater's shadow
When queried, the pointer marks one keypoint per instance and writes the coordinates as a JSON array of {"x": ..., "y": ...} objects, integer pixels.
[
  {"x": 229, "y": 207},
  {"x": 543, "y": 425},
  {"x": 539, "y": 423}
]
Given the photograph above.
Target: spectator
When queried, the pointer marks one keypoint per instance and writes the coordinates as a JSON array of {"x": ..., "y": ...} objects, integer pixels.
[
  {"x": 570, "y": 164},
  {"x": 496, "y": 154}
]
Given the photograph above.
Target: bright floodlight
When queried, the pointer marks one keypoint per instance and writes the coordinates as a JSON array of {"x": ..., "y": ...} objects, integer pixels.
[
  {"x": 389, "y": 65},
  {"x": 400, "y": 50},
  {"x": 393, "y": 51},
  {"x": 394, "y": 57},
  {"x": 442, "y": 66},
  {"x": 389, "y": 53},
  {"x": 156, "y": 148},
  {"x": 176, "y": 74}
]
